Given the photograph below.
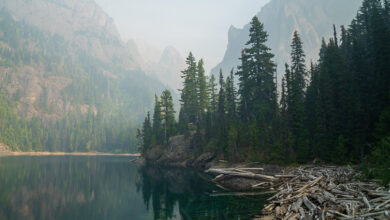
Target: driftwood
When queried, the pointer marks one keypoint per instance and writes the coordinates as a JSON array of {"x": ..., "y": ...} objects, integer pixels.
[
  {"x": 241, "y": 193},
  {"x": 328, "y": 192},
  {"x": 244, "y": 174}
]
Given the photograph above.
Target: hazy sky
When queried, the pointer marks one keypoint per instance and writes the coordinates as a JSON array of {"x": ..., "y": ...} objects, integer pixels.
[{"x": 200, "y": 26}]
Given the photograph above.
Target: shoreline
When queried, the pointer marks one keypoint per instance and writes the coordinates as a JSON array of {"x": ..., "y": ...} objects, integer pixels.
[
  {"x": 11, "y": 153},
  {"x": 312, "y": 191}
]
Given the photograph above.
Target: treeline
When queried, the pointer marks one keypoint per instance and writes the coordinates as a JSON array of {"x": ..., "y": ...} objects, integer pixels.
[
  {"x": 120, "y": 102},
  {"x": 337, "y": 110},
  {"x": 71, "y": 133}
]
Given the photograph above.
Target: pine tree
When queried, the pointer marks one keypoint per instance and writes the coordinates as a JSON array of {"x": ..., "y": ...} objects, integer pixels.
[
  {"x": 146, "y": 134},
  {"x": 183, "y": 123},
  {"x": 231, "y": 97},
  {"x": 336, "y": 41},
  {"x": 258, "y": 98},
  {"x": 168, "y": 115},
  {"x": 262, "y": 71},
  {"x": 157, "y": 120},
  {"x": 311, "y": 104},
  {"x": 212, "y": 111},
  {"x": 296, "y": 83},
  {"x": 245, "y": 88},
  {"x": 221, "y": 117},
  {"x": 189, "y": 95},
  {"x": 203, "y": 93}
]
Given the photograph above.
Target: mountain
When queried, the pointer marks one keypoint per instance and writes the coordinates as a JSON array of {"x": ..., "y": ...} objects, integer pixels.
[
  {"x": 60, "y": 56},
  {"x": 312, "y": 18},
  {"x": 167, "y": 68},
  {"x": 67, "y": 80},
  {"x": 146, "y": 50},
  {"x": 79, "y": 22}
]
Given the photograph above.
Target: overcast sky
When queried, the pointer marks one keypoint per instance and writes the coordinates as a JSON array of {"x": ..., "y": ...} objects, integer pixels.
[{"x": 200, "y": 26}]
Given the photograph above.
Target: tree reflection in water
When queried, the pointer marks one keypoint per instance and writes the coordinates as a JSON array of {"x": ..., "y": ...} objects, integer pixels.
[
  {"x": 111, "y": 188},
  {"x": 186, "y": 194}
]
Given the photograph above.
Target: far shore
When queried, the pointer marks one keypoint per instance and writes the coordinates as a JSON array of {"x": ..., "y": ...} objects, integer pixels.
[{"x": 13, "y": 153}]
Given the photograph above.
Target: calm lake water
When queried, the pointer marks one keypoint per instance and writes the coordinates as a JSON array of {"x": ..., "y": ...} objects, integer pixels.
[{"x": 72, "y": 187}]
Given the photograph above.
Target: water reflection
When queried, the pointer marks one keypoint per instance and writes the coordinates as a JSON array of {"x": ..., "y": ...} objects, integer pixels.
[
  {"x": 110, "y": 188},
  {"x": 191, "y": 195}
]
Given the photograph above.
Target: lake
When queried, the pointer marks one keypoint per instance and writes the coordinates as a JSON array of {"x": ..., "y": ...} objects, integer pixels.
[{"x": 77, "y": 187}]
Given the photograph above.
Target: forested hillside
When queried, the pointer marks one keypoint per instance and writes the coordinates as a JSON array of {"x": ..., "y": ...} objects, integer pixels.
[
  {"x": 60, "y": 93},
  {"x": 337, "y": 110}
]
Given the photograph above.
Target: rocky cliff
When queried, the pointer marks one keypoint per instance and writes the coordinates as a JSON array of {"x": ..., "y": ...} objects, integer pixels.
[
  {"x": 81, "y": 23},
  {"x": 168, "y": 68},
  {"x": 61, "y": 56}
]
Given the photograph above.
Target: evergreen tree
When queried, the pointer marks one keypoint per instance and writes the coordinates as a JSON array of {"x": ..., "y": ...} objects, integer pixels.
[
  {"x": 203, "y": 93},
  {"x": 258, "y": 74},
  {"x": 183, "y": 123},
  {"x": 168, "y": 115},
  {"x": 221, "y": 118},
  {"x": 231, "y": 97},
  {"x": 157, "y": 120},
  {"x": 212, "y": 87},
  {"x": 262, "y": 70},
  {"x": 146, "y": 134},
  {"x": 189, "y": 93},
  {"x": 246, "y": 85},
  {"x": 296, "y": 84},
  {"x": 212, "y": 111}
]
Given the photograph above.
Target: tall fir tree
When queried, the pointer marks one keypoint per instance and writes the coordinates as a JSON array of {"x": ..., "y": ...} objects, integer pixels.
[
  {"x": 168, "y": 115},
  {"x": 157, "y": 120},
  {"x": 212, "y": 87},
  {"x": 231, "y": 97},
  {"x": 189, "y": 93},
  {"x": 262, "y": 70},
  {"x": 259, "y": 73},
  {"x": 203, "y": 93},
  {"x": 221, "y": 117},
  {"x": 147, "y": 134},
  {"x": 296, "y": 96},
  {"x": 246, "y": 85}
]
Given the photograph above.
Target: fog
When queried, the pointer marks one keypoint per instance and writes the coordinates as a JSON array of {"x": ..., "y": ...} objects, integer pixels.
[{"x": 200, "y": 26}]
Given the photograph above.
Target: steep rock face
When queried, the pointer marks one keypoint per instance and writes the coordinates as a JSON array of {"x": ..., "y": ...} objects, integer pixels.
[
  {"x": 148, "y": 52},
  {"x": 312, "y": 18},
  {"x": 58, "y": 56},
  {"x": 82, "y": 23},
  {"x": 171, "y": 64},
  {"x": 168, "y": 68}
]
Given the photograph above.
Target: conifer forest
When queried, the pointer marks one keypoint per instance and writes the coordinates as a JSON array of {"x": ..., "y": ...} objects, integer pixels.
[{"x": 336, "y": 110}]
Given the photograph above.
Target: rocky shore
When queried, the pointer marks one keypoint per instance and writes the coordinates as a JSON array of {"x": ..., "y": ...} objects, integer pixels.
[
  {"x": 178, "y": 153},
  {"x": 307, "y": 192}
]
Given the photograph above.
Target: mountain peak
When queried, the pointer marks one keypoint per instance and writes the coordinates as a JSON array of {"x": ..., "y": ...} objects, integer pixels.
[
  {"x": 170, "y": 55},
  {"x": 233, "y": 33},
  {"x": 313, "y": 19}
]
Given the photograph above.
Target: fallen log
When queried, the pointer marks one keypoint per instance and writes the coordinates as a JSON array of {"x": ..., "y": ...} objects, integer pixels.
[
  {"x": 328, "y": 192},
  {"x": 238, "y": 174},
  {"x": 241, "y": 193}
]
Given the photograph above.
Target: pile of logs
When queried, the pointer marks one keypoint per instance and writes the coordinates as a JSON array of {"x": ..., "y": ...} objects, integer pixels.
[{"x": 318, "y": 193}]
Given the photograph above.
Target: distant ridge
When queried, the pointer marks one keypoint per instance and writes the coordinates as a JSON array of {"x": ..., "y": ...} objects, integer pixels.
[{"x": 312, "y": 18}]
